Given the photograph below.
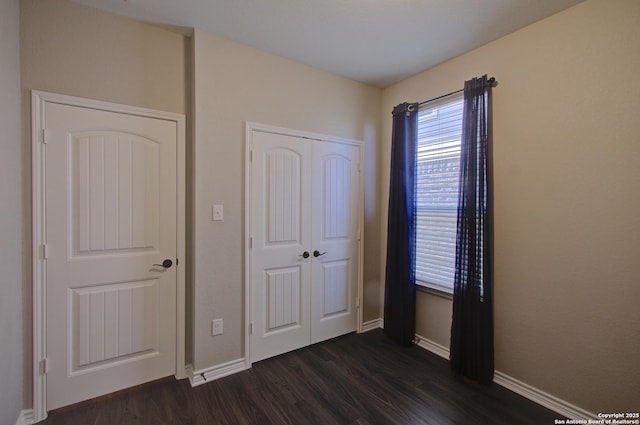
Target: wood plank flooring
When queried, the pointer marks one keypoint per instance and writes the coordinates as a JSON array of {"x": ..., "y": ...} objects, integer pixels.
[{"x": 355, "y": 379}]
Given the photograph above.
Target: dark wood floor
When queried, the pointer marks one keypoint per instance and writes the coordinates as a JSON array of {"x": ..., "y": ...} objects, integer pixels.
[{"x": 354, "y": 379}]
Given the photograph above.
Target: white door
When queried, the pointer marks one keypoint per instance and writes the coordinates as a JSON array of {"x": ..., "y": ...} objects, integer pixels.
[
  {"x": 335, "y": 235},
  {"x": 281, "y": 219},
  {"x": 110, "y": 187},
  {"x": 305, "y": 250}
]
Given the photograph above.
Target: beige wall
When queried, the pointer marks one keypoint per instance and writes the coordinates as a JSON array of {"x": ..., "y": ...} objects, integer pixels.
[
  {"x": 235, "y": 84},
  {"x": 10, "y": 215},
  {"x": 80, "y": 51},
  {"x": 567, "y": 195},
  {"x": 74, "y": 50}
]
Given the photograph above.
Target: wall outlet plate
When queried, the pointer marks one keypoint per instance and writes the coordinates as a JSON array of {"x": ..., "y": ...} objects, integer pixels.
[
  {"x": 216, "y": 327},
  {"x": 217, "y": 213}
]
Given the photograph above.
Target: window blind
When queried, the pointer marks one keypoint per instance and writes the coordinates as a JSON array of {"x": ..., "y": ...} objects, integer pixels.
[{"x": 437, "y": 181}]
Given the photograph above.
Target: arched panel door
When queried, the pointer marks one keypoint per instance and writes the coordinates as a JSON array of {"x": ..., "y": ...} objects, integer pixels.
[
  {"x": 281, "y": 233},
  {"x": 335, "y": 235},
  {"x": 110, "y": 190}
]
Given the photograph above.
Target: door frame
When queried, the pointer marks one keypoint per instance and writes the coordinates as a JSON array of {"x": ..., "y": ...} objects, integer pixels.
[
  {"x": 250, "y": 127},
  {"x": 39, "y": 100}
]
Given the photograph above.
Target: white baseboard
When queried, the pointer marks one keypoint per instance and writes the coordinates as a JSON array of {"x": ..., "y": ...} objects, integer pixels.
[
  {"x": 434, "y": 347},
  {"x": 25, "y": 418},
  {"x": 549, "y": 401},
  {"x": 536, "y": 395},
  {"x": 371, "y": 325},
  {"x": 200, "y": 377}
]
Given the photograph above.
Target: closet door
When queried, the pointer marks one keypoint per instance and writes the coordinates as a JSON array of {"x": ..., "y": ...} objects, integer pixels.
[
  {"x": 281, "y": 234},
  {"x": 335, "y": 234},
  {"x": 304, "y": 229}
]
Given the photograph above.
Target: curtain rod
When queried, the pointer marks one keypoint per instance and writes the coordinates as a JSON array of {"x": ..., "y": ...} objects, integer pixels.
[{"x": 492, "y": 82}]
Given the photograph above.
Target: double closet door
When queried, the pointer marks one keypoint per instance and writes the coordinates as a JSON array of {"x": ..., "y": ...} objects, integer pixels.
[{"x": 305, "y": 241}]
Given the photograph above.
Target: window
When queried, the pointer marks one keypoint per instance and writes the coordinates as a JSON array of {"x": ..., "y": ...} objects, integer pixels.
[{"x": 437, "y": 181}]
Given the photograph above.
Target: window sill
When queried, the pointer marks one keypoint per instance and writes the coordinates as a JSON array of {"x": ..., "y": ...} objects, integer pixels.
[{"x": 442, "y": 293}]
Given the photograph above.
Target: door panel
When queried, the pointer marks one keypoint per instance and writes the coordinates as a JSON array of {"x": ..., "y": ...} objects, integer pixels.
[
  {"x": 280, "y": 222},
  {"x": 111, "y": 322},
  {"x": 111, "y": 215},
  {"x": 115, "y": 203},
  {"x": 335, "y": 288},
  {"x": 283, "y": 299},
  {"x": 335, "y": 227}
]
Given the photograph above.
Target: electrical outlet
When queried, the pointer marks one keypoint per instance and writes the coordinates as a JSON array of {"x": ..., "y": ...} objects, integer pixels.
[
  {"x": 217, "y": 212},
  {"x": 216, "y": 327}
]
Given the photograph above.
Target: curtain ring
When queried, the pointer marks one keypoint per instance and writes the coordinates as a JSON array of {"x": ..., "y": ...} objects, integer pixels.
[{"x": 411, "y": 107}]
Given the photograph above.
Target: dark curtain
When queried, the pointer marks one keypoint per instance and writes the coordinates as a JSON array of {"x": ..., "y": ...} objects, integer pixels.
[
  {"x": 400, "y": 283},
  {"x": 472, "y": 326}
]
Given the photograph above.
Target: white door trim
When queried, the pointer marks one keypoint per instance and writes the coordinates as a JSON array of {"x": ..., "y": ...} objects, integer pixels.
[
  {"x": 38, "y": 101},
  {"x": 250, "y": 127}
]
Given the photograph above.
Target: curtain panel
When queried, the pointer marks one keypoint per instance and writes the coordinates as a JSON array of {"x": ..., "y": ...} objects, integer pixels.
[
  {"x": 400, "y": 284},
  {"x": 472, "y": 351}
]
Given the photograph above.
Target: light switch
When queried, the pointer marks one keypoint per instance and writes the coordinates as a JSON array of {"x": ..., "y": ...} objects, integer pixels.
[{"x": 218, "y": 213}]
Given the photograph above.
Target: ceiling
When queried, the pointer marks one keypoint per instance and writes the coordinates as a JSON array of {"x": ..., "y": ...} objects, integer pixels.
[{"x": 378, "y": 42}]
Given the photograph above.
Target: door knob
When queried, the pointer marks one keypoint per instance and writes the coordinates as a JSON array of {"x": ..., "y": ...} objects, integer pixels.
[
  {"x": 166, "y": 264},
  {"x": 304, "y": 254},
  {"x": 317, "y": 253}
]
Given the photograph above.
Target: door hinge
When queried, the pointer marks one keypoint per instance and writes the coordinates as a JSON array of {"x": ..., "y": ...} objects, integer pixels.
[
  {"x": 250, "y": 242},
  {"x": 251, "y": 328},
  {"x": 359, "y": 169},
  {"x": 44, "y": 366},
  {"x": 43, "y": 135},
  {"x": 358, "y": 302},
  {"x": 358, "y": 235},
  {"x": 45, "y": 251},
  {"x": 251, "y": 155}
]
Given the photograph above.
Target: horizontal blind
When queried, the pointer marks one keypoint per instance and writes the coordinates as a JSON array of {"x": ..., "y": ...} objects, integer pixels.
[{"x": 437, "y": 182}]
